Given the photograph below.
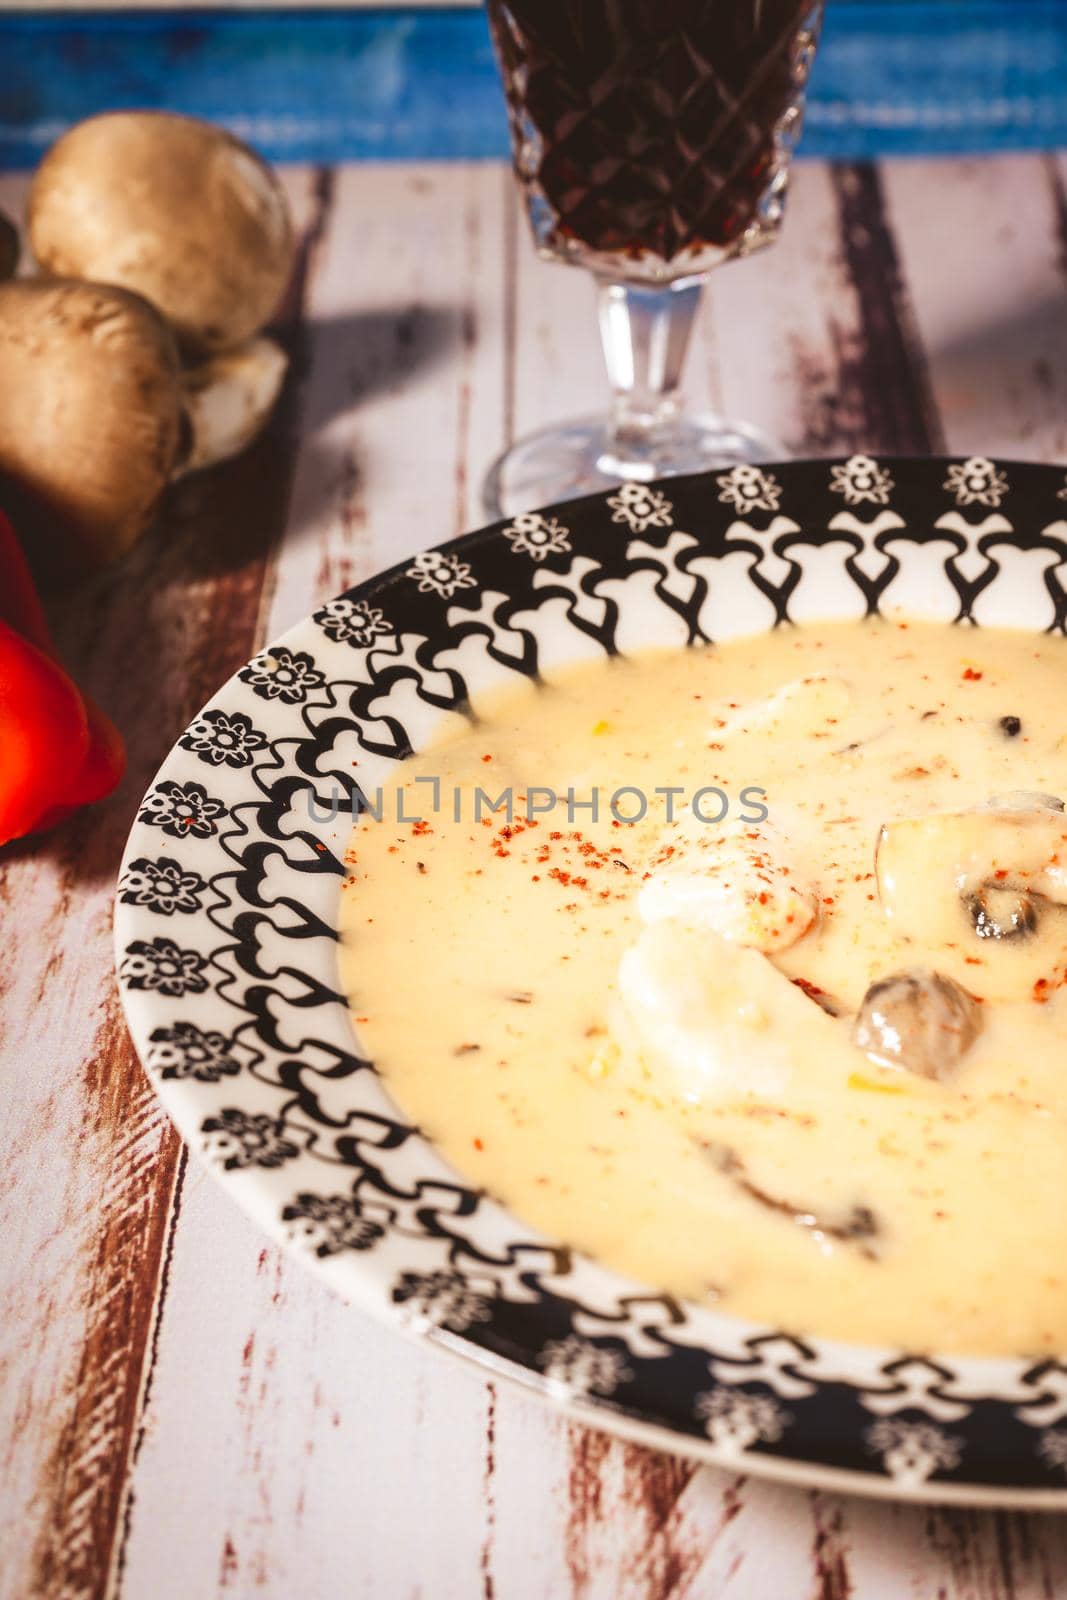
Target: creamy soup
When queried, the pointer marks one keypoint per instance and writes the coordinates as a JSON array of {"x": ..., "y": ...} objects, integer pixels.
[{"x": 792, "y": 1042}]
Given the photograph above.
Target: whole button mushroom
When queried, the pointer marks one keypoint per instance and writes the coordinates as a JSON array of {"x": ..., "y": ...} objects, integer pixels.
[
  {"x": 173, "y": 208},
  {"x": 97, "y": 415},
  {"x": 91, "y": 409}
]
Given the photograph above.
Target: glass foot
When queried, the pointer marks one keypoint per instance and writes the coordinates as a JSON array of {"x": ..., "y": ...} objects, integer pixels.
[{"x": 584, "y": 457}]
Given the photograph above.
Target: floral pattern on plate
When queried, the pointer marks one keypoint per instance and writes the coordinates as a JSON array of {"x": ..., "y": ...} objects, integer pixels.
[{"x": 225, "y": 929}]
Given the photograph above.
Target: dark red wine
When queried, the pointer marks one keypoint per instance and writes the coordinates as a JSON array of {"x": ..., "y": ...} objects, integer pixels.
[{"x": 648, "y": 127}]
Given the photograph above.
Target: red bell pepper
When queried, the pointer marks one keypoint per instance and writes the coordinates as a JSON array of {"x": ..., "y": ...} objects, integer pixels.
[{"x": 57, "y": 749}]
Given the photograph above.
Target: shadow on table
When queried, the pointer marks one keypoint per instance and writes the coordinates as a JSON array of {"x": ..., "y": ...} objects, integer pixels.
[{"x": 338, "y": 365}]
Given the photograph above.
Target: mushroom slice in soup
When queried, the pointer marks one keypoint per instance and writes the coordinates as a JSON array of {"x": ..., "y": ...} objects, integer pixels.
[
  {"x": 1001, "y": 913},
  {"x": 858, "y": 1225},
  {"x": 920, "y": 1021},
  {"x": 987, "y": 886},
  {"x": 1024, "y": 800}
]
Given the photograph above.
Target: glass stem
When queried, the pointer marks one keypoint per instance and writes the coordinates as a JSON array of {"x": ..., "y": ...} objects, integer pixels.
[{"x": 645, "y": 333}]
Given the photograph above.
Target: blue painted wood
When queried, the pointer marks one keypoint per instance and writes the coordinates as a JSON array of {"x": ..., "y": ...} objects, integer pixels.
[{"x": 893, "y": 76}]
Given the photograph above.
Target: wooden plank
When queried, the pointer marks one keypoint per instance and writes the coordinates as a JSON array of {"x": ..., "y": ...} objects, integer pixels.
[
  {"x": 332, "y": 1413},
  {"x": 622, "y": 1520},
  {"x": 404, "y": 404},
  {"x": 822, "y": 341},
  {"x": 278, "y": 1440},
  {"x": 813, "y": 339},
  {"x": 93, "y": 1162},
  {"x": 288, "y": 1432},
  {"x": 986, "y": 252}
]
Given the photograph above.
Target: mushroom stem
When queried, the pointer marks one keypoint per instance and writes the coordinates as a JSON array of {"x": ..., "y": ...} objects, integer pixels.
[
  {"x": 227, "y": 401},
  {"x": 858, "y": 1225}
]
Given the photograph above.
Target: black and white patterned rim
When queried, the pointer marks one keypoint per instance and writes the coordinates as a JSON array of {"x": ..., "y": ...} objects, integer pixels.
[{"x": 227, "y": 948}]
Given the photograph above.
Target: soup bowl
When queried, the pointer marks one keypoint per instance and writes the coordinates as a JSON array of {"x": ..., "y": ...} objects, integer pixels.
[{"x": 227, "y": 945}]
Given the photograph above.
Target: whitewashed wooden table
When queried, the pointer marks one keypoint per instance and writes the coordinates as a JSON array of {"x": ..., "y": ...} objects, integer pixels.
[{"x": 184, "y": 1412}]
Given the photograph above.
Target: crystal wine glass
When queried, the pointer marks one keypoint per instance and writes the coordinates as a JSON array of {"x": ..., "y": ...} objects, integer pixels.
[{"x": 653, "y": 140}]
